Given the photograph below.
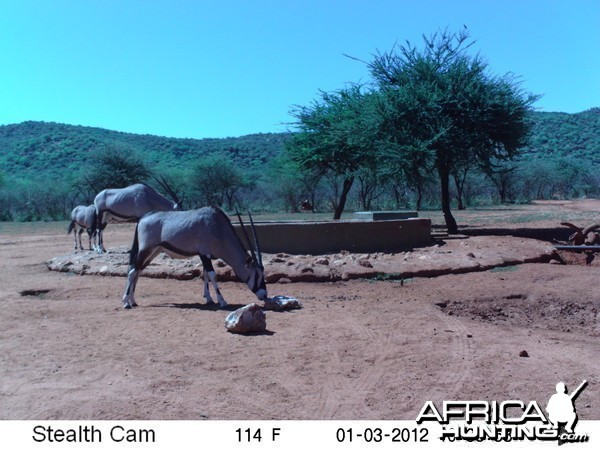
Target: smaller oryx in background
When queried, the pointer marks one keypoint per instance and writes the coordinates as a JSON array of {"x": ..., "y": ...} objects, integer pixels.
[
  {"x": 206, "y": 232},
  {"x": 85, "y": 218},
  {"x": 130, "y": 204}
]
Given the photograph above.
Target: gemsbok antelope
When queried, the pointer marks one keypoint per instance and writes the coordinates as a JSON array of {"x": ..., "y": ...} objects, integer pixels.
[
  {"x": 130, "y": 204},
  {"x": 85, "y": 218},
  {"x": 206, "y": 232}
]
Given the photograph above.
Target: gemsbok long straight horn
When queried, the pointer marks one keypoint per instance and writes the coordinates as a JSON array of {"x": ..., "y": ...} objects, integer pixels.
[
  {"x": 256, "y": 244},
  {"x": 163, "y": 183},
  {"x": 206, "y": 232},
  {"x": 254, "y": 249}
]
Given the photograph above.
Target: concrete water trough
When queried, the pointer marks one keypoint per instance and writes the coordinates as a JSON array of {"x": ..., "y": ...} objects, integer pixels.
[
  {"x": 317, "y": 238},
  {"x": 385, "y": 215}
]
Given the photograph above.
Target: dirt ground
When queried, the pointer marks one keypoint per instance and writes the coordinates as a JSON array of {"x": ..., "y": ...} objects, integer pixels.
[{"x": 491, "y": 315}]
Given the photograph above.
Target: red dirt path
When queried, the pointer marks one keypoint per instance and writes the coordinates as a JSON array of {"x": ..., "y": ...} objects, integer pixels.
[{"x": 359, "y": 348}]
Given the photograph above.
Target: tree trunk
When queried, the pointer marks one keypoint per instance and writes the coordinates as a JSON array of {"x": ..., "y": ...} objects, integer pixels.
[
  {"x": 291, "y": 201},
  {"x": 339, "y": 209},
  {"x": 444, "y": 174},
  {"x": 502, "y": 191},
  {"x": 313, "y": 200},
  {"x": 398, "y": 196},
  {"x": 460, "y": 184},
  {"x": 419, "y": 200}
]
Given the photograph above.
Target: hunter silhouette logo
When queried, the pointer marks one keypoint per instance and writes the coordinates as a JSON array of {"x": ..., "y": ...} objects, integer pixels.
[{"x": 561, "y": 410}]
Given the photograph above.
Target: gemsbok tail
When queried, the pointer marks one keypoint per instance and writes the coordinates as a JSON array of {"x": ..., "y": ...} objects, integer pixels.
[{"x": 71, "y": 226}]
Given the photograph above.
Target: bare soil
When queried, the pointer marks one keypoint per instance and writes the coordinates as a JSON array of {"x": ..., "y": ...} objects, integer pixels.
[{"x": 491, "y": 315}]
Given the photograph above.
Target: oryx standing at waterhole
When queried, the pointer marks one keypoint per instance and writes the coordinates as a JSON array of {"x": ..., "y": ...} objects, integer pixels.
[
  {"x": 85, "y": 218},
  {"x": 206, "y": 232},
  {"x": 130, "y": 204}
]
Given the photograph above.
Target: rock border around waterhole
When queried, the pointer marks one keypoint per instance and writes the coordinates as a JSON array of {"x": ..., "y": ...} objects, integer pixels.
[{"x": 455, "y": 256}]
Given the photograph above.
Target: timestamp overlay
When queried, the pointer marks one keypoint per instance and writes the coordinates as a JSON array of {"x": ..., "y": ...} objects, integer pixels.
[{"x": 294, "y": 434}]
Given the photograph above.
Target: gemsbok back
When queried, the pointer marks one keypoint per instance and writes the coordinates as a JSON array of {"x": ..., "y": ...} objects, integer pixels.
[
  {"x": 206, "y": 232},
  {"x": 130, "y": 204}
]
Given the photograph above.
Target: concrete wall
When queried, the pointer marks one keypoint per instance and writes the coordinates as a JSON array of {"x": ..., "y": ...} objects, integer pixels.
[
  {"x": 317, "y": 238},
  {"x": 385, "y": 215}
]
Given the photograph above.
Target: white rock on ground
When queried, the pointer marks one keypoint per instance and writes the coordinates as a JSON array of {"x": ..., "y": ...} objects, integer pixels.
[{"x": 248, "y": 319}]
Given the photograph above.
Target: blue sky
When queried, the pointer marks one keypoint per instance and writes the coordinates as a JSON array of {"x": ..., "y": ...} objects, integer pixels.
[{"x": 228, "y": 68}]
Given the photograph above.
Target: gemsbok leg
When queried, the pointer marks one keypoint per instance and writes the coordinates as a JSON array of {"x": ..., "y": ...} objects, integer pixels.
[
  {"x": 74, "y": 228},
  {"x": 91, "y": 233},
  {"x": 79, "y": 233},
  {"x": 210, "y": 276},
  {"x": 138, "y": 262}
]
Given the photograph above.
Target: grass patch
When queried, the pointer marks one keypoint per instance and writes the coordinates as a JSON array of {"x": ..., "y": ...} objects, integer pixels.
[
  {"x": 394, "y": 277},
  {"x": 505, "y": 269}
]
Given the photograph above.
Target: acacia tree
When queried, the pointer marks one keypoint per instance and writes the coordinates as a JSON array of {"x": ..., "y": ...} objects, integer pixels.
[
  {"x": 371, "y": 185},
  {"x": 284, "y": 182},
  {"x": 504, "y": 178},
  {"x": 336, "y": 134},
  {"x": 112, "y": 168},
  {"x": 217, "y": 181},
  {"x": 292, "y": 184},
  {"x": 442, "y": 104}
]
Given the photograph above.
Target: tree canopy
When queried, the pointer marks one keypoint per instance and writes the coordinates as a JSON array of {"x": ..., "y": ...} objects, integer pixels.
[
  {"x": 443, "y": 109},
  {"x": 217, "y": 180},
  {"x": 337, "y": 134}
]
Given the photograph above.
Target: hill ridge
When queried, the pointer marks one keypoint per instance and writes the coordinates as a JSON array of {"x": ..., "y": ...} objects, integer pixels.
[{"x": 34, "y": 146}]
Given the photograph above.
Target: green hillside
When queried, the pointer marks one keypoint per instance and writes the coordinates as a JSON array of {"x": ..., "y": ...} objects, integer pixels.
[
  {"x": 561, "y": 161},
  {"x": 29, "y": 149},
  {"x": 558, "y": 134}
]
